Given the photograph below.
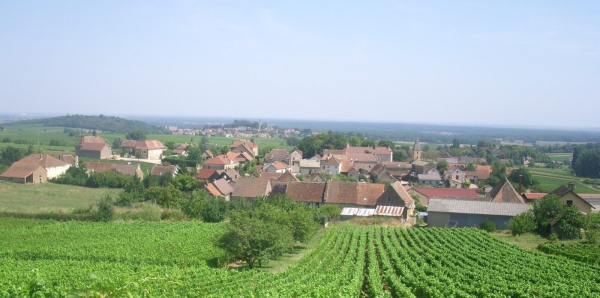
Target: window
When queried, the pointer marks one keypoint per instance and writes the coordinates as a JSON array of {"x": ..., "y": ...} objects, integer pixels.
[
  {"x": 569, "y": 203},
  {"x": 389, "y": 199}
]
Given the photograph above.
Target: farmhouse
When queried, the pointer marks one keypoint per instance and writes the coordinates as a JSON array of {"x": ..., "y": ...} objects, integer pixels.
[
  {"x": 53, "y": 166},
  {"x": 149, "y": 149},
  {"x": 221, "y": 162},
  {"x": 469, "y": 213},
  {"x": 25, "y": 173},
  {"x": 568, "y": 196},
  {"x": 93, "y": 147}
]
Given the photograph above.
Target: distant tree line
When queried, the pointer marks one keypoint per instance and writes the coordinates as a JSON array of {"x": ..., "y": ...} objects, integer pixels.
[{"x": 101, "y": 122}]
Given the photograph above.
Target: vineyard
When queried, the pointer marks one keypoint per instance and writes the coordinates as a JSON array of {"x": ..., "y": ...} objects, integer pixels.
[
  {"x": 171, "y": 260},
  {"x": 581, "y": 252}
]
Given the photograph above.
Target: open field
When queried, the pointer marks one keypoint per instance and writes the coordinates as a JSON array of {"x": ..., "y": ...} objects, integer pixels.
[
  {"x": 527, "y": 241},
  {"x": 548, "y": 184},
  {"x": 48, "y": 197},
  {"x": 170, "y": 260},
  {"x": 30, "y": 133},
  {"x": 559, "y": 171},
  {"x": 559, "y": 156}
]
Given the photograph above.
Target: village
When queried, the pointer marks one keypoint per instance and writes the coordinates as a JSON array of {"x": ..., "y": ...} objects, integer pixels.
[{"x": 362, "y": 181}]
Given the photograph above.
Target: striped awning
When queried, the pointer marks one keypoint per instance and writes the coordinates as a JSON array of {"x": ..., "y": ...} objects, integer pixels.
[{"x": 389, "y": 211}]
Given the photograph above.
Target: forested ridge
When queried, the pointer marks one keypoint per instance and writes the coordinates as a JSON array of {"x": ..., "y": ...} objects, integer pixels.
[{"x": 100, "y": 122}]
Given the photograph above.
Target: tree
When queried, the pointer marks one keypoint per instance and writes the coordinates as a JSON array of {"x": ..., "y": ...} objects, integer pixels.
[
  {"x": 1, "y": 128},
  {"x": 11, "y": 154},
  {"x": 551, "y": 211},
  {"x": 528, "y": 180},
  {"x": 488, "y": 225},
  {"x": 522, "y": 223},
  {"x": 455, "y": 144},
  {"x": 213, "y": 209},
  {"x": 105, "y": 210},
  {"x": 184, "y": 182},
  {"x": 471, "y": 167},
  {"x": 498, "y": 173},
  {"x": 116, "y": 144},
  {"x": 442, "y": 166},
  {"x": 251, "y": 239},
  {"x": 138, "y": 135},
  {"x": 170, "y": 145}
]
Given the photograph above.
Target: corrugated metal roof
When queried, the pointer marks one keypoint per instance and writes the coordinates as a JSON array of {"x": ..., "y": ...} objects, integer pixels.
[
  {"x": 389, "y": 210},
  {"x": 476, "y": 207}
]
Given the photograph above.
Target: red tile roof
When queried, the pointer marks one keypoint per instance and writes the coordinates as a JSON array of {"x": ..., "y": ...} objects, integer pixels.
[
  {"x": 368, "y": 193},
  {"x": 161, "y": 170},
  {"x": 20, "y": 170},
  {"x": 205, "y": 173},
  {"x": 534, "y": 195},
  {"x": 251, "y": 187},
  {"x": 218, "y": 160},
  {"x": 98, "y": 166},
  {"x": 306, "y": 192},
  {"x": 43, "y": 160},
  {"x": 91, "y": 139}
]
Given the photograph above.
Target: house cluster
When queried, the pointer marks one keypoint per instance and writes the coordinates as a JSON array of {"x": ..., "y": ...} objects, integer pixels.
[
  {"x": 38, "y": 168},
  {"x": 97, "y": 148},
  {"x": 455, "y": 207}
]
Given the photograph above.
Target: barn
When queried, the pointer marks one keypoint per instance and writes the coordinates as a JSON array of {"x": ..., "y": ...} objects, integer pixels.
[{"x": 469, "y": 213}]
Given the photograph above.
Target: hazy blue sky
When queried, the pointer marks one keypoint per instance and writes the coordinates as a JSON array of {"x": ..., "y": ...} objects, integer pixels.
[{"x": 469, "y": 62}]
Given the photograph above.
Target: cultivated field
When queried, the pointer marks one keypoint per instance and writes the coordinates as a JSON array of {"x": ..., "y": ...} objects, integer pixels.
[
  {"x": 48, "y": 197},
  {"x": 172, "y": 260}
]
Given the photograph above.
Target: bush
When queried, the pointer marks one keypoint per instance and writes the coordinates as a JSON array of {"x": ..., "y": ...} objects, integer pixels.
[
  {"x": 553, "y": 237},
  {"x": 488, "y": 225},
  {"x": 105, "y": 211},
  {"x": 521, "y": 224},
  {"x": 150, "y": 212}
]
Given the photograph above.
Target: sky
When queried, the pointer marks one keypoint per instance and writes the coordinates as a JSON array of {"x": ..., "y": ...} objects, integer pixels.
[{"x": 510, "y": 63}]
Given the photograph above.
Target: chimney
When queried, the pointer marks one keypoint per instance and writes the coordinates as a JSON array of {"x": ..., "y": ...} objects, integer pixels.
[
  {"x": 520, "y": 184},
  {"x": 571, "y": 186}
]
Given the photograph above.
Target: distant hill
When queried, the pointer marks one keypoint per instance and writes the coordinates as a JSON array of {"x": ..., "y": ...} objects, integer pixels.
[{"x": 101, "y": 123}]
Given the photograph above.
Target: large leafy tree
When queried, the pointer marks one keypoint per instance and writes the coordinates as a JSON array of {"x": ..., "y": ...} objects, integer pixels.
[
  {"x": 528, "y": 180},
  {"x": 138, "y": 135},
  {"x": 551, "y": 211}
]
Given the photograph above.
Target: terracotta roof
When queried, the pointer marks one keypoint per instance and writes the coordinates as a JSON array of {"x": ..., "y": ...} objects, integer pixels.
[
  {"x": 278, "y": 165},
  {"x": 315, "y": 176},
  {"x": 213, "y": 190},
  {"x": 245, "y": 143},
  {"x": 91, "y": 139},
  {"x": 149, "y": 144},
  {"x": 208, "y": 153},
  {"x": 93, "y": 146},
  {"x": 161, "y": 170},
  {"x": 332, "y": 161},
  {"x": 70, "y": 159},
  {"x": 128, "y": 143},
  {"x": 233, "y": 175},
  {"x": 286, "y": 177},
  {"x": 371, "y": 150},
  {"x": 536, "y": 195},
  {"x": 20, "y": 170},
  {"x": 178, "y": 151},
  {"x": 218, "y": 160},
  {"x": 341, "y": 192},
  {"x": 346, "y": 166},
  {"x": 505, "y": 192},
  {"x": 447, "y": 192},
  {"x": 306, "y": 192},
  {"x": 251, "y": 187},
  {"x": 270, "y": 175},
  {"x": 43, "y": 160},
  {"x": 98, "y": 167},
  {"x": 358, "y": 156},
  {"x": 401, "y": 191},
  {"x": 127, "y": 169},
  {"x": 483, "y": 172},
  {"x": 219, "y": 187},
  {"x": 205, "y": 173},
  {"x": 368, "y": 193}
]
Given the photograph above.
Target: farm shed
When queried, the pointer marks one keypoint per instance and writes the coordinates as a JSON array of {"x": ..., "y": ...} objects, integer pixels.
[
  {"x": 25, "y": 173},
  {"x": 468, "y": 213}
]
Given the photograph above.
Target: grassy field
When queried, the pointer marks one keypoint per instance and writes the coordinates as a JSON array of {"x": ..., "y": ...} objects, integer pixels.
[
  {"x": 33, "y": 133},
  {"x": 560, "y": 171},
  {"x": 548, "y": 184},
  {"x": 48, "y": 197},
  {"x": 527, "y": 241},
  {"x": 560, "y": 156}
]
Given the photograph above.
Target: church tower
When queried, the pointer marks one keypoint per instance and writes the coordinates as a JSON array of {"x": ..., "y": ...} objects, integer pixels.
[{"x": 417, "y": 150}]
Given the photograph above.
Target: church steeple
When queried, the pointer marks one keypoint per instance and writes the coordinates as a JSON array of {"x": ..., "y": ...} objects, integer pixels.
[{"x": 417, "y": 150}]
